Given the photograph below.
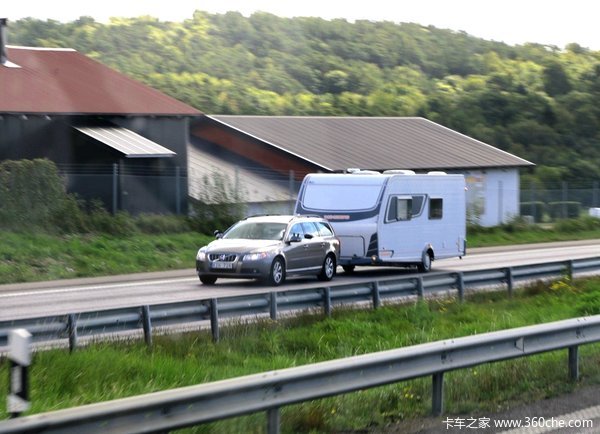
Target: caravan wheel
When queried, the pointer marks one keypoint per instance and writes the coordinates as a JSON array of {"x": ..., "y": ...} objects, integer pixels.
[
  {"x": 348, "y": 268},
  {"x": 425, "y": 265}
]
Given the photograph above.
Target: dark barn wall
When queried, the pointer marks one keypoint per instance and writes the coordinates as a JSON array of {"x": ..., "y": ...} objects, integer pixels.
[
  {"x": 155, "y": 185},
  {"x": 171, "y": 188},
  {"x": 33, "y": 136}
]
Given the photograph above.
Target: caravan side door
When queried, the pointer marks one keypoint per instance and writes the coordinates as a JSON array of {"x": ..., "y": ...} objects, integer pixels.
[{"x": 401, "y": 228}]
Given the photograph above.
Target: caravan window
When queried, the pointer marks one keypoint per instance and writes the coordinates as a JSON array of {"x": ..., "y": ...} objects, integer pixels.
[
  {"x": 436, "y": 208},
  {"x": 399, "y": 208},
  {"x": 337, "y": 197},
  {"x": 418, "y": 200},
  {"x": 404, "y": 207}
]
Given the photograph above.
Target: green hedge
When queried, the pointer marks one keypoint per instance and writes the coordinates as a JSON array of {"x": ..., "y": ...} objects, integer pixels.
[
  {"x": 536, "y": 209},
  {"x": 33, "y": 196},
  {"x": 557, "y": 210}
]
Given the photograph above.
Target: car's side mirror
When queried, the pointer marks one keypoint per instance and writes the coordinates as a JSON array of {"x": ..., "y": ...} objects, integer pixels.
[
  {"x": 294, "y": 238},
  {"x": 218, "y": 234}
]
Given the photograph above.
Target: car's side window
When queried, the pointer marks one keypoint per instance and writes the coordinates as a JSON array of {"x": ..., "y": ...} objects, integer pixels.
[
  {"x": 310, "y": 229},
  {"x": 324, "y": 229},
  {"x": 297, "y": 231}
]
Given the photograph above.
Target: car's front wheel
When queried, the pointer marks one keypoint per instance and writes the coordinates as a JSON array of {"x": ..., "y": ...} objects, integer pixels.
[
  {"x": 328, "y": 269},
  {"x": 208, "y": 280},
  {"x": 277, "y": 274}
]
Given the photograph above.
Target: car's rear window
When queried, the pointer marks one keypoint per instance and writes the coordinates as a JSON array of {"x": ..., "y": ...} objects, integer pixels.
[{"x": 324, "y": 229}]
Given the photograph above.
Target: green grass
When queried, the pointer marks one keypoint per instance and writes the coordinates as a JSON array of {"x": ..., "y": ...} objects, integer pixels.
[
  {"x": 107, "y": 371},
  {"x": 26, "y": 257},
  {"x": 518, "y": 232},
  {"x": 504, "y": 238}
]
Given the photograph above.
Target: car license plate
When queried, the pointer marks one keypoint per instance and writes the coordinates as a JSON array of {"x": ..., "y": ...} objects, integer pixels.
[{"x": 222, "y": 265}]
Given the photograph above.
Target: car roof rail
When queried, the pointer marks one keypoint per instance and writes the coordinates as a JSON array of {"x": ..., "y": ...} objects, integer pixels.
[
  {"x": 309, "y": 216},
  {"x": 261, "y": 215}
]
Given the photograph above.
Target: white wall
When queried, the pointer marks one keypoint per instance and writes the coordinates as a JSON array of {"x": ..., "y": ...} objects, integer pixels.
[{"x": 492, "y": 196}]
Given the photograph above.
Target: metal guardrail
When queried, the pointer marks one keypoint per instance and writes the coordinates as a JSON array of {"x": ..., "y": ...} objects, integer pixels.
[
  {"x": 74, "y": 326},
  {"x": 269, "y": 391}
]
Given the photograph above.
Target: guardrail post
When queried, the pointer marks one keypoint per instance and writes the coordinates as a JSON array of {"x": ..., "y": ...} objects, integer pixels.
[
  {"x": 273, "y": 420},
  {"x": 460, "y": 283},
  {"x": 420, "y": 289},
  {"x": 147, "y": 324},
  {"x": 437, "y": 394},
  {"x": 509, "y": 280},
  {"x": 72, "y": 331},
  {"x": 376, "y": 295},
  {"x": 214, "y": 319},
  {"x": 273, "y": 305},
  {"x": 19, "y": 355},
  {"x": 569, "y": 269},
  {"x": 574, "y": 362},
  {"x": 327, "y": 301}
]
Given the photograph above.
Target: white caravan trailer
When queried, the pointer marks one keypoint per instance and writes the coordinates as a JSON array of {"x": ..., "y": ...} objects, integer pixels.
[{"x": 392, "y": 218}]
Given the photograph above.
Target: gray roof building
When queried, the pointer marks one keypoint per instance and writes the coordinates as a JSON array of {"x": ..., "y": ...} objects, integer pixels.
[
  {"x": 336, "y": 143},
  {"x": 269, "y": 156}
]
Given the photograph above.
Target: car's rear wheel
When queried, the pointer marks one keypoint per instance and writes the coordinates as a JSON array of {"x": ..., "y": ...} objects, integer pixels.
[
  {"x": 277, "y": 274},
  {"x": 328, "y": 269},
  {"x": 208, "y": 280}
]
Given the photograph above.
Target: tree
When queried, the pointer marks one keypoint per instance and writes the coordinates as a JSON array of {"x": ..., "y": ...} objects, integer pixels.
[{"x": 556, "y": 81}]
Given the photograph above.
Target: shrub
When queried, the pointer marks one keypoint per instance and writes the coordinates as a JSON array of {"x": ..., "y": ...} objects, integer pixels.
[
  {"x": 70, "y": 218},
  {"x": 564, "y": 209},
  {"x": 585, "y": 223},
  {"x": 518, "y": 224},
  {"x": 219, "y": 204},
  {"x": 33, "y": 196},
  {"x": 101, "y": 221},
  {"x": 161, "y": 224},
  {"x": 534, "y": 209}
]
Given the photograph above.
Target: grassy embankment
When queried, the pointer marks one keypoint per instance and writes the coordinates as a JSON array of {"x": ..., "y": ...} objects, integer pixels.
[
  {"x": 41, "y": 256},
  {"x": 107, "y": 371}
]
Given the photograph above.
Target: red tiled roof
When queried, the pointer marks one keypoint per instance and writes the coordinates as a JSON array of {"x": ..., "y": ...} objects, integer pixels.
[{"x": 63, "y": 81}]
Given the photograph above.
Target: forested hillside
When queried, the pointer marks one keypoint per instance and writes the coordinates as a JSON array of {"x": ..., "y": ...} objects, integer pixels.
[{"x": 538, "y": 102}]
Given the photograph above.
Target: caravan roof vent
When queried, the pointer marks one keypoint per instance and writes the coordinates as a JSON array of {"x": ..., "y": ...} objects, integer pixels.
[
  {"x": 436, "y": 173},
  {"x": 356, "y": 171},
  {"x": 399, "y": 172}
]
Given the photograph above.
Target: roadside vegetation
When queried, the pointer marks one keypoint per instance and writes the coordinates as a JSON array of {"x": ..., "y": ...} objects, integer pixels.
[
  {"x": 156, "y": 243},
  {"x": 519, "y": 231},
  {"x": 47, "y": 234},
  {"x": 107, "y": 371}
]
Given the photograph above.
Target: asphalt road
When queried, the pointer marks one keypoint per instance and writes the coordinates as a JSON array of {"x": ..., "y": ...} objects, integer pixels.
[{"x": 80, "y": 295}]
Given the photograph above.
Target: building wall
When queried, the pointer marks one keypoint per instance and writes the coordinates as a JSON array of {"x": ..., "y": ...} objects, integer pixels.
[
  {"x": 492, "y": 196},
  {"x": 164, "y": 186},
  {"x": 156, "y": 185}
]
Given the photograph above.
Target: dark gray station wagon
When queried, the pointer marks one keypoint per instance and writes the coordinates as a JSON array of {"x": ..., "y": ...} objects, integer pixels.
[{"x": 270, "y": 248}]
